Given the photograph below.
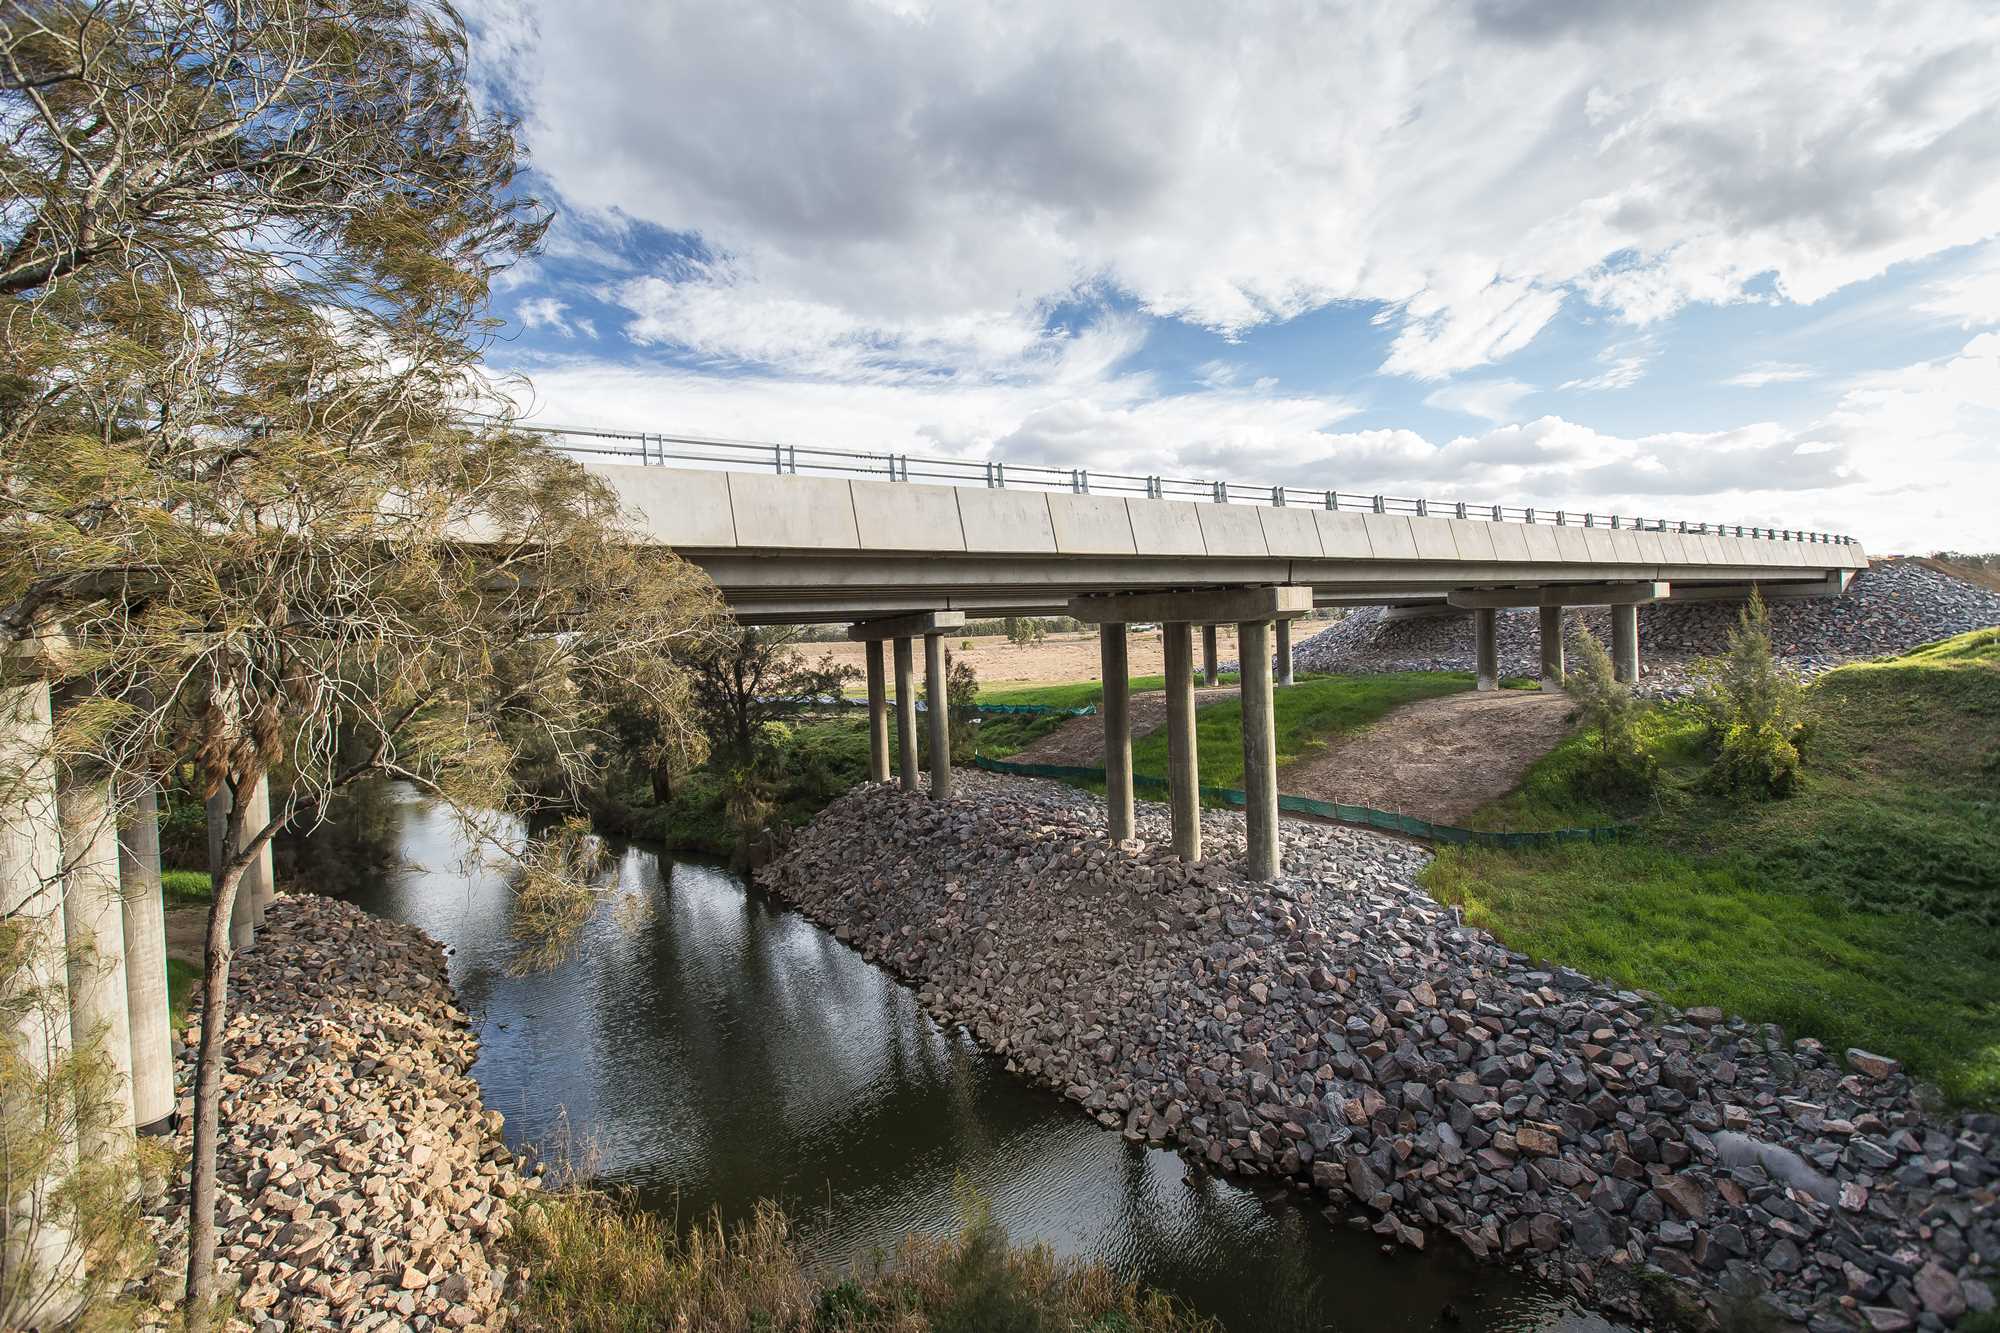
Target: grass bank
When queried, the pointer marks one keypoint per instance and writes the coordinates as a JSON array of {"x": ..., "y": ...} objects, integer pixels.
[
  {"x": 601, "y": 1267},
  {"x": 1864, "y": 910}
]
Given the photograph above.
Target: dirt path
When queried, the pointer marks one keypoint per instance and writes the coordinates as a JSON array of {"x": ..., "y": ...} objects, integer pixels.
[
  {"x": 187, "y": 933},
  {"x": 1440, "y": 759},
  {"x": 1080, "y": 741}
]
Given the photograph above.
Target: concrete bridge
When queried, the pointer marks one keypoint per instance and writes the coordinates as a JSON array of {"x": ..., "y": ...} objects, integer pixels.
[{"x": 905, "y": 548}]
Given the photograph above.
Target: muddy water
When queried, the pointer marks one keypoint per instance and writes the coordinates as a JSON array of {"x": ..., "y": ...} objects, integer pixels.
[{"x": 715, "y": 1048}]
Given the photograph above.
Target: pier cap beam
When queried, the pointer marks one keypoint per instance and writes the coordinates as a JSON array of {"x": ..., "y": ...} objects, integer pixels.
[
  {"x": 906, "y": 627},
  {"x": 1560, "y": 594},
  {"x": 1213, "y": 606},
  {"x": 1833, "y": 585}
]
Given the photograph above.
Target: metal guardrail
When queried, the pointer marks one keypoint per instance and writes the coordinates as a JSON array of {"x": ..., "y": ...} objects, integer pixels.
[{"x": 808, "y": 460}]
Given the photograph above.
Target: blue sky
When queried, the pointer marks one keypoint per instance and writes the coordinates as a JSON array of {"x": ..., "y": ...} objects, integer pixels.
[{"x": 1691, "y": 259}]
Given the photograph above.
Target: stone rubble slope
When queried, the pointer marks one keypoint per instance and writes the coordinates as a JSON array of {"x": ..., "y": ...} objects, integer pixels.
[
  {"x": 363, "y": 1184},
  {"x": 1895, "y": 605},
  {"x": 1340, "y": 1027}
]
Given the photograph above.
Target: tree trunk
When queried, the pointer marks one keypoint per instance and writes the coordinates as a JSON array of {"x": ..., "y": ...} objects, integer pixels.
[
  {"x": 663, "y": 782},
  {"x": 216, "y": 957}
]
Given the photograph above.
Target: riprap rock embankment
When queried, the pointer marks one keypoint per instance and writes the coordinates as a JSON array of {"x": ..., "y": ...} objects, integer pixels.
[
  {"x": 363, "y": 1182},
  {"x": 1340, "y": 1027}
]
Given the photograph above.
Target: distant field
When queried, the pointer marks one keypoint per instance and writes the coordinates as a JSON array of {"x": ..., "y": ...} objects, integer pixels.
[{"x": 1057, "y": 660}]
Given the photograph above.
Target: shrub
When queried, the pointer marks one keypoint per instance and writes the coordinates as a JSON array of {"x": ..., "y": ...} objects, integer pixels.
[
  {"x": 1617, "y": 766},
  {"x": 1754, "y": 716}
]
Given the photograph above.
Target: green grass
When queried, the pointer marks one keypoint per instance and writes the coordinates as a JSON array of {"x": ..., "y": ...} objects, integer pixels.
[
  {"x": 1308, "y": 715},
  {"x": 1078, "y": 694},
  {"x": 185, "y": 888},
  {"x": 182, "y": 981},
  {"x": 1864, "y": 910}
]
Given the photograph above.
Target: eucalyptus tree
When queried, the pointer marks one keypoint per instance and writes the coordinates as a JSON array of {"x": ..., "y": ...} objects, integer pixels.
[{"x": 245, "y": 257}]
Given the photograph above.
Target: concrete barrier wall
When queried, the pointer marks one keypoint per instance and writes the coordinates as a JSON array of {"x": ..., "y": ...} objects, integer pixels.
[{"x": 696, "y": 510}]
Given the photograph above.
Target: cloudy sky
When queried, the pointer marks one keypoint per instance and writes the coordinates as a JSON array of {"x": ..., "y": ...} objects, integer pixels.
[{"x": 1736, "y": 260}]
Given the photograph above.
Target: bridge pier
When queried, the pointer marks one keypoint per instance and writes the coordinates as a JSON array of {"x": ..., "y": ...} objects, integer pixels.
[
  {"x": 1210, "y": 673},
  {"x": 1625, "y": 643},
  {"x": 938, "y": 706},
  {"x": 906, "y": 714},
  {"x": 1183, "y": 771},
  {"x": 145, "y": 955},
  {"x": 1253, "y": 610},
  {"x": 878, "y": 714},
  {"x": 1284, "y": 665},
  {"x": 1552, "y": 647},
  {"x": 254, "y": 891},
  {"x": 1117, "y": 712},
  {"x": 1486, "y": 647},
  {"x": 899, "y": 630},
  {"x": 94, "y": 930}
]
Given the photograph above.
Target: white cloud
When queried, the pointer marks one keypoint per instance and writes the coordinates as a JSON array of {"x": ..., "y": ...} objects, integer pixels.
[
  {"x": 546, "y": 312},
  {"x": 1474, "y": 166},
  {"x": 1969, "y": 296},
  {"x": 1624, "y": 364},
  {"x": 1494, "y": 400},
  {"x": 1770, "y": 372}
]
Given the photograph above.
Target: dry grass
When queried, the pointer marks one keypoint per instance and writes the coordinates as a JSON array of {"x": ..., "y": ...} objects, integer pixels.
[
  {"x": 601, "y": 1266},
  {"x": 1984, "y": 575}
]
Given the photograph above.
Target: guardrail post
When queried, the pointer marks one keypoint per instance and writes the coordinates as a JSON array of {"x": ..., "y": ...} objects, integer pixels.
[
  {"x": 1423, "y": 509},
  {"x": 1381, "y": 505},
  {"x": 1614, "y": 520},
  {"x": 1460, "y": 511},
  {"x": 1589, "y": 519},
  {"x": 1531, "y": 513},
  {"x": 1333, "y": 500},
  {"x": 1498, "y": 516},
  {"x": 1154, "y": 489},
  {"x": 1220, "y": 489},
  {"x": 1562, "y": 518},
  {"x": 1277, "y": 497}
]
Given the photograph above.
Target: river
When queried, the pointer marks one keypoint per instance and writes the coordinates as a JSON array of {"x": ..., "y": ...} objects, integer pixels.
[{"x": 712, "y": 1047}]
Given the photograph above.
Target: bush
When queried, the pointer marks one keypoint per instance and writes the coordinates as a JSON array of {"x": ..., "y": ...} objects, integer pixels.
[
  {"x": 1754, "y": 716},
  {"x": 1618, "y": 766}
]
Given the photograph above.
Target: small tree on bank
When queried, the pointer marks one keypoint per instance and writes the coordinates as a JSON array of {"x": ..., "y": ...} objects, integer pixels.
[
  {"x": 745, "y": 677},
  {"x": 1617, "y": 765},
  {"x": 1755, "y": 716},
  {"x": 245, "y": 253}
]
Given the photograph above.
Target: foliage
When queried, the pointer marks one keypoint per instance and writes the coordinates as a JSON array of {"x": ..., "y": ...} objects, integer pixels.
[
  {"x": 1023, "y": 631},
  {"x": 602, "y": 1266},
  {"x": 961, "y": 692},
  {"x": 1618, "y": 766},
  {"x": 1755, "y": 714},
  {"x": 554, "y": 895},
  {"x": 1863, "y": 911},
  {"x": 749, "y": 676},
  {"x": 244, "y": 521}
]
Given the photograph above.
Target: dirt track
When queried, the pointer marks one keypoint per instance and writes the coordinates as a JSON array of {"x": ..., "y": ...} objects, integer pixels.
[{"x": 1440, "y": 759}]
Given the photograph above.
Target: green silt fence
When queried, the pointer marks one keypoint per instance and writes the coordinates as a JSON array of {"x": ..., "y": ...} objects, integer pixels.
[{"x": 1388, "y": 820}]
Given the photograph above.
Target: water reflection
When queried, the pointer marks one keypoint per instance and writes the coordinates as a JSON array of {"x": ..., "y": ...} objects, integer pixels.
[{"x": 721, "y": 1049}]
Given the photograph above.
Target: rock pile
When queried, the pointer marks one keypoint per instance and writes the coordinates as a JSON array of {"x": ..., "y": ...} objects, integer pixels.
[
  {"x": 1892, "y": 607},
  {"x": 363, "y": 1183},
  {"x": 1342, "y": 1029}
]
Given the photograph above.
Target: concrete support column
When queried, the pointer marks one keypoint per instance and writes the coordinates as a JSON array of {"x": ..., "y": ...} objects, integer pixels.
[
  {"x": 1625, "y": 643},
  {"x": 260, "y": 881},
  {"x": 1210, "y": 673},
  {"x": 145, "y": 955},
  {"x": 1284, "y": 664},
  {"x": 906, "y": 715},
  {"x": 1552, "y": 647},
  {"x": 1117, "y": 712},
  {"x": 1486, "y": 647},
  {"x": 1260, "y": 751},
  {"x": 940, "y": 717},
  {"x": 878, "y": 715},
  {"x": 1183, "y": 772},
  {"x": 94, "y": 931},
  {"x": 43, "y": 1261},
  {"x": 256, "y": 882}
]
